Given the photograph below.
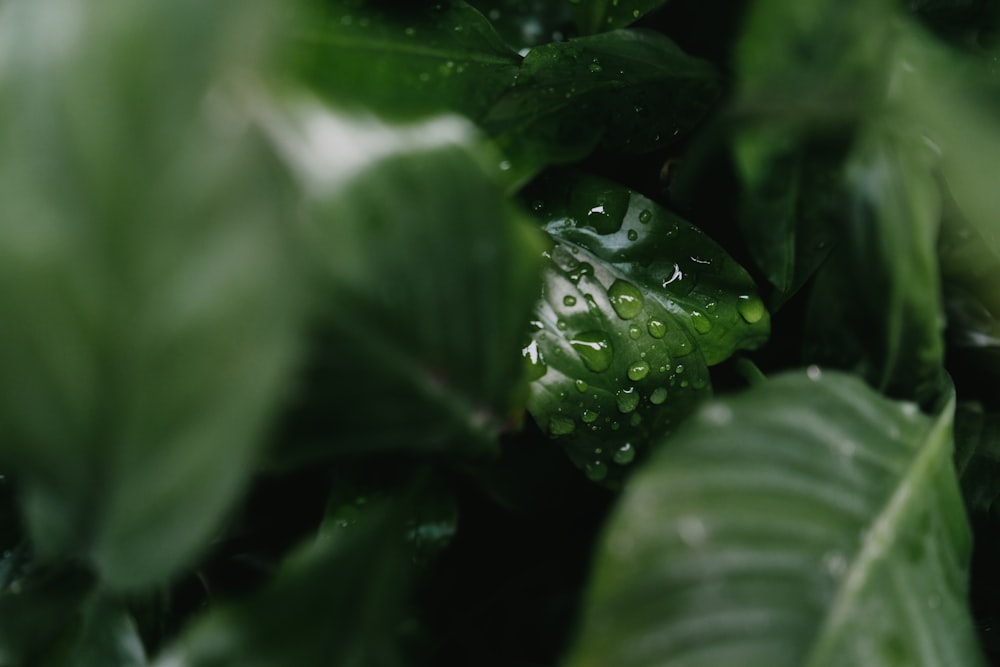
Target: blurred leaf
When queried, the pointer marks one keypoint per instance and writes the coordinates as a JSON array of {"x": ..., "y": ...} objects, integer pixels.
[
  {"x": 427, "y": 277},
  {"x": 632, "y": 90},
  {"x": 338, "y": 601},
  {"x": 405, "y": 62},
  {"x": 977, "y": 456},
  {"x": 529, "y": 23},
  {"x": 876, "y": 304},
  {"x": 147, "y": 298},
  {"x": 814, "y": 63},
  {"x": 634, "y": 302},
  {"x": 807, "y": 522},
  {"x": 601, "y": 15},
  {"x": 791, "y": 198}
]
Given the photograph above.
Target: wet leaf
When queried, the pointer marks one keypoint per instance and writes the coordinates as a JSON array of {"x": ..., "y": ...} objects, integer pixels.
[
  {"x": 809, "y": 521},
  {"x": 635, "y": 301},
  {"x": 595, "y": 16},
  {"x": 529, "y": 23},
  {"x": 631, "y": 90},
  {"x": 405, "y": 62}
]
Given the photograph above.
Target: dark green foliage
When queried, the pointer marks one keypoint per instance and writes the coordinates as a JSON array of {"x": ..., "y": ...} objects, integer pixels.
[{"x": 399, "y": 333}]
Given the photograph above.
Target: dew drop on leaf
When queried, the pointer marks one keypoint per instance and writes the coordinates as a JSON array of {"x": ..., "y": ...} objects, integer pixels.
[
  {"x": 569, "y": 300},
  {"x": 626, "y": 299},
  {"x": 581, "y": 386},
  {"x": 634, "y": 332},
  {"x": 751, "y": 308},
  {"x": 658, "y": 396},
  {"x": 589, "y": 416},
  {"x": 594, "y": 349},
  {"x": 638, "y": 370},
  {"x": 628, "y": 399},
  {"x": 701, "y": 323},
  {"x": 596, "y": 470},
  {"x": 533, "y": 357},
  {"x": 624, "y": 454},
  {"x": 561, "y": 426},
  {"x": 656, "y": 328},
  {"x": 645, "y": 216}
]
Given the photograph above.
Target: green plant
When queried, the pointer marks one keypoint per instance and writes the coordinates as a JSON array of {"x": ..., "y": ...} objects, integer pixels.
[{"x": 354, "y": 332}]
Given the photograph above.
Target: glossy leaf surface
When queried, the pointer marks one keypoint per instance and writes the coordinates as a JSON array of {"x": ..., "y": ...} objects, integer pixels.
[
  {"x": 635, "y": 301},
  {"x": 406, "y": 62},
  {"x": 149, "y": 305},
  {"x": 632, "y": 90},
  {"x": 807, "y": 522},
  {"x": 427, "y": 275},
  {"x": 529, "y": 23}
]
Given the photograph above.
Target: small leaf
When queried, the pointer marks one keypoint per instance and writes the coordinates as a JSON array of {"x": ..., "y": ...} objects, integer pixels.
[
  {"x": 807, "y": 522},
  {"x": 405, "y": 62},
  {"x": 632, "y": 90},
  {"x": 426, "y": 274},
  {"x": 634, "y": 302},
  {"x": 595, "y": 16}
]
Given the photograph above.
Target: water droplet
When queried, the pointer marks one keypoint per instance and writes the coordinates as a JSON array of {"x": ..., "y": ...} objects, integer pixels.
[
  {"x": 638, "y": 370},
  {"x": 581, "y": 386},
  {"x": 505, "y": 165},
  {"x": 814, "y": 373},
  {"x": 701, "y": 323},
  {"x": 584, "y": 269},
  {"x": 595, "y": 350},
  {"x": 658, "y": 396},
  {"x": 635, "y": 419},
  {"x": 561, "y": 325},
  {"x": 591, "y": 303},
  {"x": 751, "y": 308},
  {"x": 645, "y": 216},
  {"x": 679, "y": 368},
  {"x": 595, "y": 67},
  {"x": 656, "y": 328},
  {"x": 624, "y": 454},
  {"x": 634, "y": 331},
  {"x": 692, "y": 531},
  {"x": 536, "y": 364},
  {"x": 636, "y": 13},
  {"x": 633, "y": 235},
  {"x": 718, "y": 414},
  {"x": 626, "y": 299},
  {"x": 561, "y": 426},
  {"x": 699, "y": 382},
  {"x": 628, "y": 399},
  {"x": 596, "y": 470},
  {"x": 569, "y": 300},
  {"x": 589, "y": 416},
  {"x": 835, "y": 564}
]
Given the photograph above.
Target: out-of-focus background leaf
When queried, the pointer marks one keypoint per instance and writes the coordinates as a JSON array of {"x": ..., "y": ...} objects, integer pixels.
[
  {"x": 146, "y": 289},
  {"x": 426, "y": 276},
  {"x": 809, "y": 521}
]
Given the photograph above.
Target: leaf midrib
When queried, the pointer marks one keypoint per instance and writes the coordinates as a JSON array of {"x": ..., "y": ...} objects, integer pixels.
[{"x": 882, "y": 536}]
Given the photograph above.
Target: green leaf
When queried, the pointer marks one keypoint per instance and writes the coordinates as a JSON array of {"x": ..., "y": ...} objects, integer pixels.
[
  {"x": 405, "y": 62},
  {"x": 635, "y": 301},
  {"x": 602, "y": 15},
  {"x": 809, "y": 522},
  {"x": 146, "y": 289},
  {"x": 791, "y": 199},
  {"x": 632, "y": 90},
  {"x": 876, "y": 305},
  {"x": 338, "y": 601},
  {"x": 426, "y": 275}
]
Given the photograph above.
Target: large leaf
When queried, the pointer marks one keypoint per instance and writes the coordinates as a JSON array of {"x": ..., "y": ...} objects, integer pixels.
[
  {"x": 633, "y": 90},
  {"x": 147, "y": 298},
  {"x": 338, "y": 601},
  {"x": 406, "y": 61},
  {"x": 808, "y": 522},
  {"x": 426, "y": 276},
  {"x": 635, "y": 301},
  {"x": 600, "y": 15},
  {"x": 876, "y": 305}
]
